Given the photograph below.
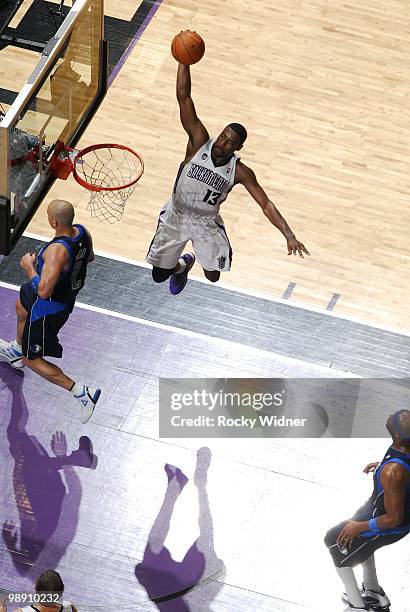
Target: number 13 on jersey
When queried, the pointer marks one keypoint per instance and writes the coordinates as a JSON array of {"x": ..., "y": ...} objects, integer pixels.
[{"x": 211, "y": 197}]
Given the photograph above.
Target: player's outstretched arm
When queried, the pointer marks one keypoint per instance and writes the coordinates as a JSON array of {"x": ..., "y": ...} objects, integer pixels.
[
  {"x": 247, "y": 177},
  {"x": 197, "y": 133},
  {"x": 55, "y": 261}
]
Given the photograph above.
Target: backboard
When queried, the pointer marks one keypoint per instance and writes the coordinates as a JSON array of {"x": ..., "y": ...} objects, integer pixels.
[{"x": 56, "y": 103}]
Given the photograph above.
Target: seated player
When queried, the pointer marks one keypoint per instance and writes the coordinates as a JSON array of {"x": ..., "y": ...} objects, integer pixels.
[
  {"x": 382, "y": 520},
  {"x": 206, "y": 176},
  {"x": 48, "y": 299}
]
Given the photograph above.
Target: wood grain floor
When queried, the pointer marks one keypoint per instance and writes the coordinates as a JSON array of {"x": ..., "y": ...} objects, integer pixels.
[{"x": 322, "y": 88}]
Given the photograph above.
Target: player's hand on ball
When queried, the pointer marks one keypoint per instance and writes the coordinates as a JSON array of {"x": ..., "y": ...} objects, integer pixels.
[
  {"x": 187, "y": 47},
  {"x": 371, "y": 467},
  {"x": 296, "y": 247}
]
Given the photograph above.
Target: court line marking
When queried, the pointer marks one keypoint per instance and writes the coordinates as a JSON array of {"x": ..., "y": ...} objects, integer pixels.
[
  {"x": 193, "y": 334},
  {"x": 119, "y": 65},
  {"x": 333, "y": 301},
  {"x": 251, "y": 293},
  {"x": 288, "y": 291}
]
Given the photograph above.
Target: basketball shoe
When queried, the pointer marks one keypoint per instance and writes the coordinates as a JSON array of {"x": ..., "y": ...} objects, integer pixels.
[
  {"x": 376, "y": 600},
  {"x": 178, "y": 281},
  {"x": 11, "y": 354},
  {"x": 87, "y": 399}
]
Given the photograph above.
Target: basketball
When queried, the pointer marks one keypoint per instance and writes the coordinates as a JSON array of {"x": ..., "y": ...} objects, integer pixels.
[{"x": 188, "y": 47}]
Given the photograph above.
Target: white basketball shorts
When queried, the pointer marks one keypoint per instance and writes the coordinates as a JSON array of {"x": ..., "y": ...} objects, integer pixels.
[{"x": 175, "y": 229}]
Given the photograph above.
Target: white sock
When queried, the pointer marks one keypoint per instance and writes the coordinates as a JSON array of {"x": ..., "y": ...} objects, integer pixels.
[
  {"x": 181, "y": 266},
  {"x": 348, "y": 578},
  {"x": 370, "y": 580},
  {"x": 16, "y": 346},
  {"x": 77, "y": 389}
]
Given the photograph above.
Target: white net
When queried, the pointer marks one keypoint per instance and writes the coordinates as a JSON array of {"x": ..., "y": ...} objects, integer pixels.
[
  {"x": 109, "y": 205},
  {"x": 111, "y": 173}
]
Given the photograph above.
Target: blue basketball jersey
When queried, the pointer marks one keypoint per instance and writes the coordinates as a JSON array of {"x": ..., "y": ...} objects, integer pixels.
[
  {"x": 72, "y": 279},
  {"x": 376, "y": 501}
]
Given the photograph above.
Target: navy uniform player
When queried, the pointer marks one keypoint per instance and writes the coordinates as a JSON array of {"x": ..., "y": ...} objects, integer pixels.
[
  {"x": 209, "y": 171},
  {"x": 382, "y": 520},
  {"x": 47, "y": 300}
]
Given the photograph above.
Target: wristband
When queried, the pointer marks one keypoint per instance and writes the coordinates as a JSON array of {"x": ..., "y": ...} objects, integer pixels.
[
  {"x": 35, "y": 281},
  {"x": 373, "y": 525}
]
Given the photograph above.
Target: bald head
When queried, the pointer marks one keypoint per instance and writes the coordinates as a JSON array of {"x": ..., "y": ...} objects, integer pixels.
[
  {"x": 62, "y": 212},
  {"x": 398, "y": 425}
]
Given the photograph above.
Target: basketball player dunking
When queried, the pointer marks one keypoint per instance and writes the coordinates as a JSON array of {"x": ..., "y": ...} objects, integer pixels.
[
  {"x": 384, "y": 519},
  {"x": 206, "y": 176},
  {"x": 47, "y": 300}
]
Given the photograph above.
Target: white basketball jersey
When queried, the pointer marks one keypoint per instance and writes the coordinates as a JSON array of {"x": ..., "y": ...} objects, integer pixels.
[{"x": 200, "y": 187}]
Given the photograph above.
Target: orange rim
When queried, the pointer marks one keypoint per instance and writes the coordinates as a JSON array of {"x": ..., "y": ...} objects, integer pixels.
[{"x": 91, "y": 148}]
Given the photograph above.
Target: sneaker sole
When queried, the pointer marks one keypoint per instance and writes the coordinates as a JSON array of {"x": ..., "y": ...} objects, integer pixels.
[
  {"x": 372, "y": 606},
  {"x": 17, "y": 367}
]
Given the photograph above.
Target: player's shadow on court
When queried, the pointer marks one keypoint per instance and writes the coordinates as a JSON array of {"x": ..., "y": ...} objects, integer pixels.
[
  {"x": 190, "y": 584},
  {"x": 48, "y": 508}
]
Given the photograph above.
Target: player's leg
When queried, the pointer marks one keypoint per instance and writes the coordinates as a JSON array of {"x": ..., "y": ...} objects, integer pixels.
[
  {"x": 178, "y": 275},
  {"x": 49, "y": 371},
  {"x": 353, "y": 596},
  {"x": 11, "y": 352},
  {"x": 373, "y": 593},
  {"x": 86, "y": 397},
  {"x": 212, "y": 275},
  {"x": 361, "y": 552},
  {"x": 21, "y": 313},
  {"x": 370, "y": 579},
  {"x": 40, "y": 339},
  {"x": 212, "y": 248},
  {"x": 165, "y": 251},
  {"x": 159, "y": 275},
  {"x": 344, "y": 568}
]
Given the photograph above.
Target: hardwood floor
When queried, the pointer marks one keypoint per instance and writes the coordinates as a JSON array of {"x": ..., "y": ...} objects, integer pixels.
[{"x": 323, "y": 90}]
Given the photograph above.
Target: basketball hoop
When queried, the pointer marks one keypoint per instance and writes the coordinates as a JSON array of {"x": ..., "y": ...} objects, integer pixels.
[{"x": 109, "y": 171}]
